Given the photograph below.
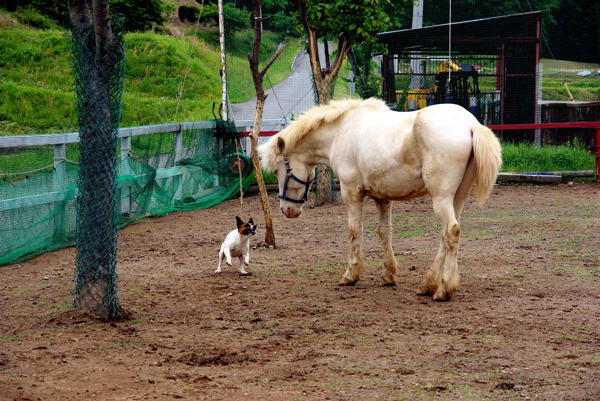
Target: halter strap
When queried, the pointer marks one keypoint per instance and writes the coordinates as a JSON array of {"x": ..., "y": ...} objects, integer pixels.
[{"x": 288, "y": 175}]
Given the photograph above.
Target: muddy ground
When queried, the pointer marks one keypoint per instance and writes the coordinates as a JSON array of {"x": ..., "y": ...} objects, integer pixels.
[{"x": 524, "y": 325}]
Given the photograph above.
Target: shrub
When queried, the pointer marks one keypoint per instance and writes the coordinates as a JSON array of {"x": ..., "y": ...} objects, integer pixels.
[
  {"x": 235, "y": 19},
  {"x": 32, "y": 18},
  {"x": 189, "y": 13},
  {"x": 139, "y": 15}
]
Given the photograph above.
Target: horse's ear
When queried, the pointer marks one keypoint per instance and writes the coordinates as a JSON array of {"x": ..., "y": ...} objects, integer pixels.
[{"x": 280, "y": 145}]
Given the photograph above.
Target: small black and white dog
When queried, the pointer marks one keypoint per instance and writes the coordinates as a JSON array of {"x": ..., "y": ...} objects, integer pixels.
[{"x": 237, "y": 244}]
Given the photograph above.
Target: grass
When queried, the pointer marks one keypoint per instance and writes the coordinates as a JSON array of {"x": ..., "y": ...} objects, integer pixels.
[
  {"x": 526, "y": 157},
  {"x": 168, "y": 79},
  {"x": 556, "y": 72}
]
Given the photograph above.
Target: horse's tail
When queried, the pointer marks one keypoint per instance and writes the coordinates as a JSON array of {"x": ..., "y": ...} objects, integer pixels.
[{"x": 488, "y": 159}]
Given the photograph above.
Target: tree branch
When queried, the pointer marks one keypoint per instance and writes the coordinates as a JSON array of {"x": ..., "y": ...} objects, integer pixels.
[
  {"x": 280, "y": 50},
  {"x": 327, "y": 56},
  {"x": 342, "y": 50},
  {"x": 313, "y": 45}
]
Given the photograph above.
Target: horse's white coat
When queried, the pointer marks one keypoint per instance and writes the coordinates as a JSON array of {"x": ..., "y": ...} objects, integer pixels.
[{"x": 441, "y": 150}]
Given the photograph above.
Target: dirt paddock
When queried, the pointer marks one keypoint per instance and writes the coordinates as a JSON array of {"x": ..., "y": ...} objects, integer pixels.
[{"x": 524, "y": 325}]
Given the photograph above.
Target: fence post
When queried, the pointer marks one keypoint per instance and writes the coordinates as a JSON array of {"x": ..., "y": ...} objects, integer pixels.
[
  {"x": 60, "y": 155},
  {"x": 598, "y": 154},
  {"x": 538, "y": 105},
  {"x": 58, "y": 184},
  {"x": 125, "y": 172},
  {"x": 178, "y": 156}
]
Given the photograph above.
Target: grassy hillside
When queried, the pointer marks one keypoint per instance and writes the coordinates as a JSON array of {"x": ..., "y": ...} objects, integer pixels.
[
  {"x": 583, "y": 88},
  {"x": 168, "y": 78}
]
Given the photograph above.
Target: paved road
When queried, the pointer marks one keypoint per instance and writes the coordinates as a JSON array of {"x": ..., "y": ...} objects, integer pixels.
[{"x": 285, "y": 100}]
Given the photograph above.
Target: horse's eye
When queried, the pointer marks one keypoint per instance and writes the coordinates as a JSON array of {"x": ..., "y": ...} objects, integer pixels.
[{"x": 275, "y": 172}]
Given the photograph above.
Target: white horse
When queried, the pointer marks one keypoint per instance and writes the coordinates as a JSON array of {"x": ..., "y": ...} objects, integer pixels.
[{"x": 440, "y": 150}]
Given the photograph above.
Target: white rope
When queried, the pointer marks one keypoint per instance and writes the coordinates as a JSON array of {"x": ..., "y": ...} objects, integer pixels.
[
  {"x": 449, "y": 41},
  {"x": 28, "y": 172}
]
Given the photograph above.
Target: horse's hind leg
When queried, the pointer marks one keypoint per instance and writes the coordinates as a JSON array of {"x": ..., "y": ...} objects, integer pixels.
[
  {"x": 384, "y": 208},
  {"x": 356, "y": 262},
  {"x": 442, "y": 279}
]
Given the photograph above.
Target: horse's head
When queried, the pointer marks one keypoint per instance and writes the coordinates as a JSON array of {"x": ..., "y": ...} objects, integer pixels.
[
  {"x": 294, "y": 176},
  {"x": 294, "y": 184}
]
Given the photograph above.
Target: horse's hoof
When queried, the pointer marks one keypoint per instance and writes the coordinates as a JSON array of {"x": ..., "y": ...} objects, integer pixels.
[
  {"x": 347, "y": 283},
  {"x": 245, "y": 274},
  {"x": 388, "y": 281},
  {"x": 443, "y": 296},
  {"x": 423, "y": 290}
]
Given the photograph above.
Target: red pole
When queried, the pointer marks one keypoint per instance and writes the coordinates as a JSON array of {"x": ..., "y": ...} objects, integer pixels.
[{"x": 597, "y": 154}]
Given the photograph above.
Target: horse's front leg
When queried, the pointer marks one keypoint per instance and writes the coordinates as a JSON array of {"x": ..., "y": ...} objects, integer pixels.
[
  {"x": 384, "y": 208},
  {"x": 356, "y": 263}
]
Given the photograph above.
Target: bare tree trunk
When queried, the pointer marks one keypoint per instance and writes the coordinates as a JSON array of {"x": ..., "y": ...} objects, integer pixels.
[
  {"x": 257, "y": 77},
  {"x": 269, "y": 232}
]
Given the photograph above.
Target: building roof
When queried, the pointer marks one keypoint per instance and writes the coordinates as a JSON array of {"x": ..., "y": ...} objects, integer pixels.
[{"x": 482, "y": 36}]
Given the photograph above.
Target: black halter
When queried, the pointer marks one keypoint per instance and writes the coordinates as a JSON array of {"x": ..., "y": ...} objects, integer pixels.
[{"x": 288, "y": 175}]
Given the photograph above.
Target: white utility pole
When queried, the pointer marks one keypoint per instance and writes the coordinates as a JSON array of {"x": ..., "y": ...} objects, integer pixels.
[{"x": 223, "y": 60}]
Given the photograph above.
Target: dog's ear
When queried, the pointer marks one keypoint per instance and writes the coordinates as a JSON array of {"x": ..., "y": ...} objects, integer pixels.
[
  {"x": 251, "y": 221},
  {"x": 239, "y": 222}
]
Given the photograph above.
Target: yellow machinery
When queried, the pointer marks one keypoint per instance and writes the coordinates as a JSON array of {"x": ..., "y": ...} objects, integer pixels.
[{"x": 459, "y": 88}]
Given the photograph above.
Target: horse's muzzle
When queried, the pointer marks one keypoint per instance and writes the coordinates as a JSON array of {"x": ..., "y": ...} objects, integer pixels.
[{"x": 291, "y": 211}]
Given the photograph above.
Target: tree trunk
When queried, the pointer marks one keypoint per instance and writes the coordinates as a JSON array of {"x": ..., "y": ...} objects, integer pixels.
[
  {"x": 257, "y": 78},
  {"x": 323, "y": 79},
  {"x": 96, "y": 236},
  {"x": 269, "y": 232},
  {"x": 324, "y": 188}
]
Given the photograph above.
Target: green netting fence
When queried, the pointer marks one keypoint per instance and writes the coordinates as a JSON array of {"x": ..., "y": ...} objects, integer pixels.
[{"x": 160, "y": 169}]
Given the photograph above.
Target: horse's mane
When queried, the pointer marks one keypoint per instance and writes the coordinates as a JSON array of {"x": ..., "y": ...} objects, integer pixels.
[{"x": 309, "y": 121}]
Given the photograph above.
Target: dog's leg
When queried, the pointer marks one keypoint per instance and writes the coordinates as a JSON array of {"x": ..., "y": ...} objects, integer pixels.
[
  {"x": 227, "y": 256},
  {"x": 243, "y": 261},
  {"x": 220, "y": 260}
]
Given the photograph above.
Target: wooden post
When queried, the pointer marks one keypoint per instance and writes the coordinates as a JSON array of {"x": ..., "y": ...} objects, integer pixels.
[
  {"x": 178, "y": 156},
  {"x": 598, "y": 154},
  {"x": 58, "y": 184},
  {"x": 125, "y": 171}
]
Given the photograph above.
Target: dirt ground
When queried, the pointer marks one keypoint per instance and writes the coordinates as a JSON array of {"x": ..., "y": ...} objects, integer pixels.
[{"x": 524, "y": 325}]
